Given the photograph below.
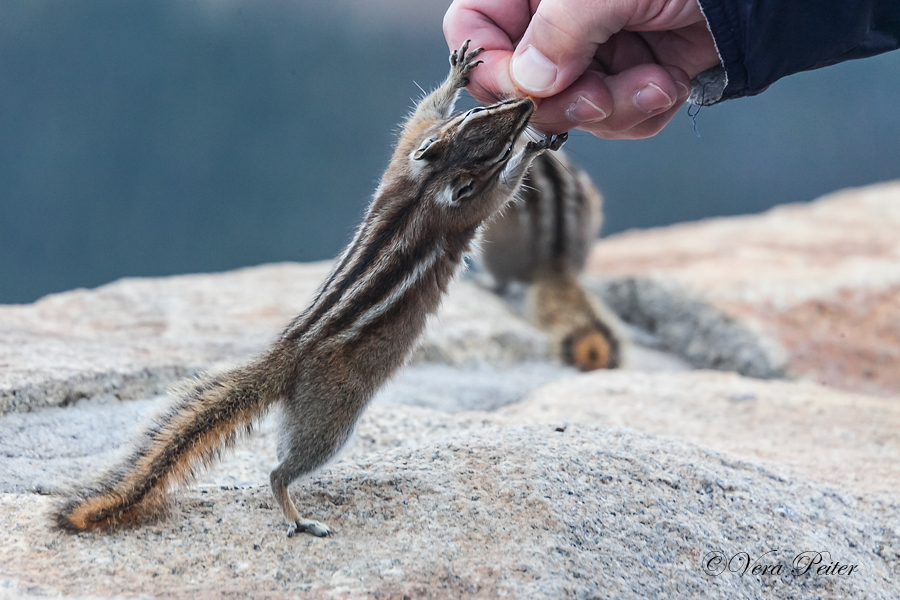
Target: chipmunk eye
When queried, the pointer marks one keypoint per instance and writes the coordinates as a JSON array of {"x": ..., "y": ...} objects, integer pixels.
[
  {"x": 474, "y": 111},
  {"x": 506, "y": 154}
]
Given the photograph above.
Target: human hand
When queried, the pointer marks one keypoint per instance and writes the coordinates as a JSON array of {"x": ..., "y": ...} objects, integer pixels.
[{"x": 616, "y": 68}]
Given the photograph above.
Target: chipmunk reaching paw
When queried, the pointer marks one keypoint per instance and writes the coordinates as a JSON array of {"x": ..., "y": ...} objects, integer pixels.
[{"x": 448, "y": 175}]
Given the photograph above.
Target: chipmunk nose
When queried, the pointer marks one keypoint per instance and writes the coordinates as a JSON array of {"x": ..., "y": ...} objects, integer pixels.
[{"x": 525, "y": 106}]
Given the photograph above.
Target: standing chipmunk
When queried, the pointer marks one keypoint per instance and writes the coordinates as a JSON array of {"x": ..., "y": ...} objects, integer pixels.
[
  {"x": 448, "y": 174},
  {"x": 543, "y": 240}
]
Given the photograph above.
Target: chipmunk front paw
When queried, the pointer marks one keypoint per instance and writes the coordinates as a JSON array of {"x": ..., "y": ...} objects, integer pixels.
[
  {"x": 461, "y": 62},
  {"x": 308, "y": 526},
  {"x": 548, "y": 142}
]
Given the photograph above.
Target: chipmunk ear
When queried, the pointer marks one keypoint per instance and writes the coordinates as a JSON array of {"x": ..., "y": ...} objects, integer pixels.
[
  {"x": 428, "y": 149},
  {"x": 463, "y": 190},
  {"x": 455, "y": 192}
]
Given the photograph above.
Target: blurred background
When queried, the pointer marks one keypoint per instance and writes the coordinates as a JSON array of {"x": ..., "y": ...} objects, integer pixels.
[{"x": 175, "y": 136}]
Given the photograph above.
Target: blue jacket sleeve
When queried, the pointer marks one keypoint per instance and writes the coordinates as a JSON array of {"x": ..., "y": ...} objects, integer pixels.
[{"x": 761, "y": 41}]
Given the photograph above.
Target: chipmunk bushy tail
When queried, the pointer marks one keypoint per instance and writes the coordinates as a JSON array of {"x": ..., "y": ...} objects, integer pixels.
[{"x": 211, "y": 411}]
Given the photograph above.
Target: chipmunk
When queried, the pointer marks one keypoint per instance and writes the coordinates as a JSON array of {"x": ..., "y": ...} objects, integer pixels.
[
  {"x": 448, "y": 174},
  {"x": 543, "y": 240}
]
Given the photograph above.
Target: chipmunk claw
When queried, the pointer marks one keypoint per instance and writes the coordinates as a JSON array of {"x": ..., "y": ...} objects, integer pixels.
[
  {"x": 462, "y": 61},
  {"x": 548, "y": 142},
  {"x": 557, "y": 141}
]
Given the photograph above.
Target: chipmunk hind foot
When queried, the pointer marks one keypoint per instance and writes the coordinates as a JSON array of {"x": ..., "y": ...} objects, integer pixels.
[
  {"x": 281, "y": 478},
  {"x": 317, "y": 528}
]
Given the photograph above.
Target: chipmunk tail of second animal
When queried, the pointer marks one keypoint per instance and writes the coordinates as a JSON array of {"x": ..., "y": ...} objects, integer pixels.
[{"x": 583, "y": 331}]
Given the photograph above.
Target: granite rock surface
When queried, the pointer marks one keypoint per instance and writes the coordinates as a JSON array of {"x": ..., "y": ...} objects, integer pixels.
[
  {"x": 491, "y": 510},
  {"x": 485, "y": 470}
]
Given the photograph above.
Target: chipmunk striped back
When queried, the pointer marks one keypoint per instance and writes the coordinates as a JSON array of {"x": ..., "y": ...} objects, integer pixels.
[
  {"x": 449, "y": 173},
  {"x": 551, "y": 226}
]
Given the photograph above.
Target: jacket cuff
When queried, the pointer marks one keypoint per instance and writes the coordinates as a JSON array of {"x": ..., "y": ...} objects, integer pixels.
[
  {"x": 709, "y": 87},
  {"x": 761, "y": 41}
]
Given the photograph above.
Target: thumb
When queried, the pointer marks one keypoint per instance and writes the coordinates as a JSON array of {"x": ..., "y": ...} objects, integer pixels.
[{"x": 560, "y": 43}]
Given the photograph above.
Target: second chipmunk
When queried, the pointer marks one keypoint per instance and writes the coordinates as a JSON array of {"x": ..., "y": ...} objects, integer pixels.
[
  {"x": 543, "y": 240},
  {"x": 448, "y": 175}
]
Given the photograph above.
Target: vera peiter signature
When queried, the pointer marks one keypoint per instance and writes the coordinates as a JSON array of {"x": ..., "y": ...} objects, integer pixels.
[{"x": 812, "y": 563}]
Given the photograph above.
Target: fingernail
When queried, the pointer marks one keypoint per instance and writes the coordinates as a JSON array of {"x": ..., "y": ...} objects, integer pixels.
[
  {"x": 651, "y": 98},
  {"x": 533, "y": 71},
  {"x": 685, "y": 90},
  {"x": 584, "y": 111}
]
